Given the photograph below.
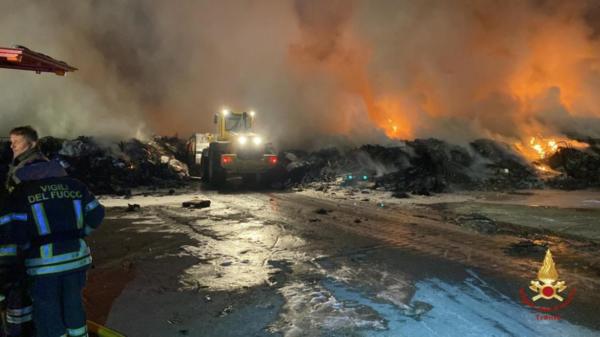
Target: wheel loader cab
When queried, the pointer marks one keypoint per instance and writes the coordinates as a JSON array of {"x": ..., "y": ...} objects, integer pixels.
[
  {"x": 229, "y": 124},
  {"x": 237, "y": 137}
]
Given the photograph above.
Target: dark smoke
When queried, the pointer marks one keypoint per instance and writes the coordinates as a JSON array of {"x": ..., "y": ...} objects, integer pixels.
[{"x": 317, "y": 72}]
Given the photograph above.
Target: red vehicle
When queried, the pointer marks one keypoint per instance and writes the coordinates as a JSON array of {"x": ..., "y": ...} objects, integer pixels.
[{"x": 24, "y": 58}]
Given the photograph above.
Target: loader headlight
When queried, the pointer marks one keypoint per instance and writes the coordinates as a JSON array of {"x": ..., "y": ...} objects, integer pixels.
[
  {"x": 243, "y": 140},
  {"x": 257, "y": 140}
]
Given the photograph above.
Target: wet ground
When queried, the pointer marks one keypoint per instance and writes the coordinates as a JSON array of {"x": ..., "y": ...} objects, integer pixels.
[{"x": 344, "y": 263}]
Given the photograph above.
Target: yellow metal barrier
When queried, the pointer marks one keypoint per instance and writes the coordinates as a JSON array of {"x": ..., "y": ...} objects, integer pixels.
[{"x": 102, "y": 331}]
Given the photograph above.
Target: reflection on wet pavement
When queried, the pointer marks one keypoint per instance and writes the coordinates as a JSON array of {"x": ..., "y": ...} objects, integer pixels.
[
  {"x": 262, "y": 256},
  {"x": 437, "y": 308},
  {"x": 470, "y": 308}
]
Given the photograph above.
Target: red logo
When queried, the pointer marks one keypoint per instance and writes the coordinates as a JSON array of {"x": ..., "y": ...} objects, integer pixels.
[{"x": 547, "y": 293}]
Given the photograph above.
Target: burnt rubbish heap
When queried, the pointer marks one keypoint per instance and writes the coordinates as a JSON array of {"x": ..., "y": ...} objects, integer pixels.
[{"x": 420, "y": 166}]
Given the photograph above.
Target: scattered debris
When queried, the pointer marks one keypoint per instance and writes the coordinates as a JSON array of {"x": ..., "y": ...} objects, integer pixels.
[
  {"x": 417, "y": 309},
  {"x": 323, "y": 211},
  {"x": 532, "y": 248},
  {"x": 322, "y": 188},
  {"x": 133, "y": 207},
  {"x": 400, "y": 195},
  {"x": 477, "y": 222},
  {"x": 226, "y": 311},
  {"x": 174, "y": 321},
  {"x": 127, "y": 265},
  {"x": 196, "y": 204}
]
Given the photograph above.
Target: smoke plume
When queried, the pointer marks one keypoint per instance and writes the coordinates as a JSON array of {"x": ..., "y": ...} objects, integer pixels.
[{"x": 316, "y": 72}]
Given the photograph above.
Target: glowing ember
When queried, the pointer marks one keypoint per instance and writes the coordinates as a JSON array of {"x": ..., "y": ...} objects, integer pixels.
[
  {"x": 543, "y": 147},
  {"x": 545, "y": 170}
]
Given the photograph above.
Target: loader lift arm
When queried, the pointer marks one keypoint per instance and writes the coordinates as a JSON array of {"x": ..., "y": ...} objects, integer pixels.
[{"x": 23, "y": 58}]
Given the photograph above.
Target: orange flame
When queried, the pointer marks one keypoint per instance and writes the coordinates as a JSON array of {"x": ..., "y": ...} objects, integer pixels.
[
  {"x": 542, "y": 77},
  {"x": 538, "y": 148}
]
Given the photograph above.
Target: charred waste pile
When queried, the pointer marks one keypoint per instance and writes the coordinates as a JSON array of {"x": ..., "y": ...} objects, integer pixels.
[
  {"x": 115, "y": 168},
  {"x": 421, "y": 166},
  {"x": 426, "y": 166}
]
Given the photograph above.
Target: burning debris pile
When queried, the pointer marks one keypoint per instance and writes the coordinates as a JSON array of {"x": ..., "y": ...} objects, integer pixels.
[
  {"x": 425, "y": 166},
  {"x": 114, "y": 168},
  {"x": 433, "y": 165},
  {"x": 577, "y": 168},
  {"x": 421, "y": 166}
]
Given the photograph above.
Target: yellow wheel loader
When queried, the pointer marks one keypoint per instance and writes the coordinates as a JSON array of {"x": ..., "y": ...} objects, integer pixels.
[{"x": 233, "y": 150}]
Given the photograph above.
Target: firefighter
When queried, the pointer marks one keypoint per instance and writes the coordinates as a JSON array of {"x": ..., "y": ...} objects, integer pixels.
[
  {"x": 16, "y": 303},
  {"x": 52, "y": 213}
]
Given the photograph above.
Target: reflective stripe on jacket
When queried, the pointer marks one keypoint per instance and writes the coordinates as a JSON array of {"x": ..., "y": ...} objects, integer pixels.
[{"x": 51, "y": 264}]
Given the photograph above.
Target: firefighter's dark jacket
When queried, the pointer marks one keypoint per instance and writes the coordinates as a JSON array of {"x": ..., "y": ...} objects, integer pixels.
[
  {"x": 51, "y": 213},
  {"x": 10, "y": 264}
]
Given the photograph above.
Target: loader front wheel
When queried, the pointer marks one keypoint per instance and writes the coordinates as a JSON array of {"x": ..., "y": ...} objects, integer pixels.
[
  {"x": 216, "y": 174},
  {"x": 204, "y": 169}
]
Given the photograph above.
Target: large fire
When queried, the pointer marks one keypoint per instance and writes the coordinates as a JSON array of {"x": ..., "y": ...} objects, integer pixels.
[
  {"x": 539, "y": 148},
  {"x": 526, "y": 73}
]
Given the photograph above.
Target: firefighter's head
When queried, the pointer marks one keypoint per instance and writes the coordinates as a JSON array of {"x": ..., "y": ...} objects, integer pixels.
[{"x": 22, "y": 138}]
